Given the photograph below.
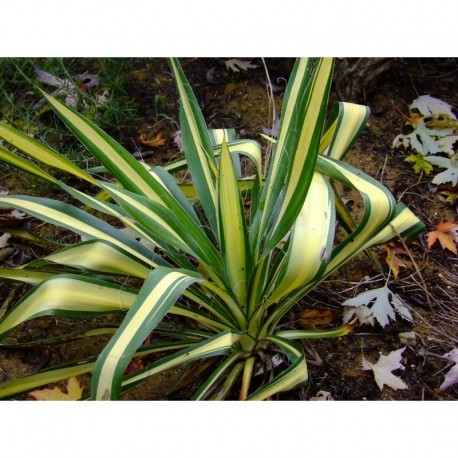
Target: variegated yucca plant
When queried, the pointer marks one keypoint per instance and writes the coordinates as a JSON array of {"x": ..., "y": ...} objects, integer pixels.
[{"x": 225, "y": 258}]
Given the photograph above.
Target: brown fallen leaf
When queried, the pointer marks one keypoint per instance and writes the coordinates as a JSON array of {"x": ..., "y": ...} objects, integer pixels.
[
  {"x": 310, "y": 318},
  {"x": 135, "y": 365},
  {"x": 74, "y": 392},
  {"x": 355, "y": 373},
  {"x": 393, "y": 252},
  {"x": 447, "y": 234},
  {"x": 153, "y": 142}
]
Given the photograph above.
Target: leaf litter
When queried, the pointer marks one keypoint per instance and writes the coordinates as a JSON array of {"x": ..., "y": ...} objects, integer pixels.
[{"x": 383, "y": 369}]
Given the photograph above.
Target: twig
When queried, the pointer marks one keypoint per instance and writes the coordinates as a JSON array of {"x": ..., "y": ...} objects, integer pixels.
[{"x": 417, "y": 270}]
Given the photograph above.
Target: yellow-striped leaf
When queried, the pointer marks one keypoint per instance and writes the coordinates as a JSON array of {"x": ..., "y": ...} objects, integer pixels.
[
  {"x": 233, "y": 232},
  {"x": 68, "y": 295},
  {"x": 41, "y": 152},
  {"x": 159, "y": 293}
]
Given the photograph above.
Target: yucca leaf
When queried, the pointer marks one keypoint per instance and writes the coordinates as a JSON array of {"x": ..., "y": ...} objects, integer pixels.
[
  {"x": 215, "y": 376},
  {"x": 118, "y": 161},
  {"x": 25, "y": 165},
  {"x": 170, "y": 184},
  {"x": 230, "y": 309},
  {"x": 74, "y": 369},
  {"x": 175, "y": 228},
  {"x": 220, "y": 344},
  {"x": 343, "y": 127},
  {"x": 61, "y": 338},
  {"x": 246, "y": 378},
  {"x": 196, "y": 145},
  {"x": 33, "y": 381},
  {"x": 295, "y": 154},
  {"x": 159, "y": 293},
  {"x": 404, "y": 224},
  {"x": 76, "y": 220},
  {"x": 311, "y": 240},
  {"x": 68, "y": 295},
  {"x": 96, "y": 256},
  {"x": 202, "y": 318},
  {"x": 292, "y": 118},
  {"x": 236, "y": 256},
  {"x": 258, "y": 283},
  {"x": 248, "y": 148},
  {"x": 41, "y": 152},
  {"x": 297, "y": 334},
  {"x": 152, "y": 217},
  {"x": 26, "y": 276},
  {"x": 229, "y": 382},
  {"x": 379, "y": 208},
  {"x": 296, "y": 374}
]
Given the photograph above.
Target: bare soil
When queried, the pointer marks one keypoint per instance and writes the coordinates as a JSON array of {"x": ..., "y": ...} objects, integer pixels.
[{"x": 428, "y": 286}]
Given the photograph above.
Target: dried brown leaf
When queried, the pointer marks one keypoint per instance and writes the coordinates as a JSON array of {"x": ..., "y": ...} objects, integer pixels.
[
  {"x": 446, "y": 233},
  {"x": 153, "y": 142},
  {"x": 310, "y": 318}
]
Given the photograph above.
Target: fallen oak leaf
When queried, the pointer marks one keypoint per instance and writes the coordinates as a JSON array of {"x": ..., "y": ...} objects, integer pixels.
[
  {"x": 383, "y": 370},
  {"x": 153, "y": 142},
  {"x": 447, "y": 234},
  {"x": 74, "y": 392}
]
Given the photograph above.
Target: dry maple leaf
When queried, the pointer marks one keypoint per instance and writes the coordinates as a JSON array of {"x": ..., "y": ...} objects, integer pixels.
[
  {"x": 393, "y": 250},
  {"x": 153, "y": 142},
  {"x": 310, "y": 318},
  {"x": 74, "y": 392},
  {"x": 447, "y": 234},
  {"x": 385, "y": 305},
  {"x": 383, "y": 370}
]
